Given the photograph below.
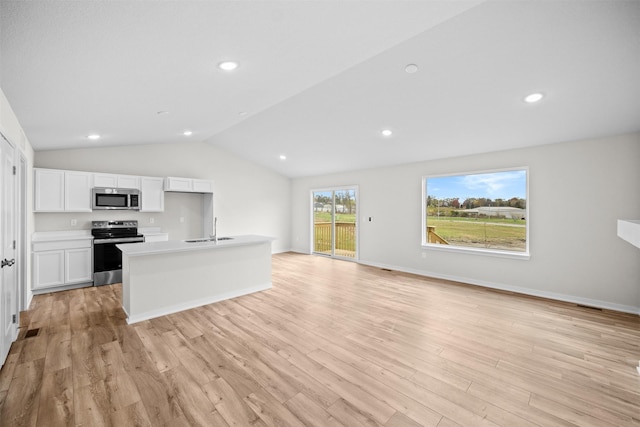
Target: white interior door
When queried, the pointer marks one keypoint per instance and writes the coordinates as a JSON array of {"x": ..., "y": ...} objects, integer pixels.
[{"x": 8, "y": 279}]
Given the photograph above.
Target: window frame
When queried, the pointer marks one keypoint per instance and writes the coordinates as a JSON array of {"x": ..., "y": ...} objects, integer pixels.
[
  {"x": 356, "y": 189},
  {"x": 472, "y": 250}
]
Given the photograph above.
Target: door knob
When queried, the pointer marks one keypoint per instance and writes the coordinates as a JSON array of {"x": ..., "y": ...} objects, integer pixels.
[{"x": 8, "y": 263}]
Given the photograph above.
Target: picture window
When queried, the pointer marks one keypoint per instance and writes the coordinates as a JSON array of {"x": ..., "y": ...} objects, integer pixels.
[{"x": 478, "y": 212}]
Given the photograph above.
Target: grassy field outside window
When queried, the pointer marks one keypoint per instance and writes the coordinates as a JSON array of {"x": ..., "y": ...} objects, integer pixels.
[{"x": 486, "y": 210}]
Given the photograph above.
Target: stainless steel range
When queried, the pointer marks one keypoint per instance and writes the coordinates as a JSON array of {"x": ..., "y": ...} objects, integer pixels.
[{"x": 107, "y": 259}]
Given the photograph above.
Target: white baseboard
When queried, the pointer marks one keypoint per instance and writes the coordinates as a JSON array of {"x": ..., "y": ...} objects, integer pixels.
[
  {"x": 61, "y": 288},
  {"x": 194, "y": 303},
  {"x": 516, "y": 289},
  {"x": 281, "y": 251},
  {"x": 300, "y": 251},
  {"x": 29, "y": 299}
]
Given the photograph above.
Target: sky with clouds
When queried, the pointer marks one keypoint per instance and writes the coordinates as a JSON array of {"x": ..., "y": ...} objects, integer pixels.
[{"x": 494, "y": 185}]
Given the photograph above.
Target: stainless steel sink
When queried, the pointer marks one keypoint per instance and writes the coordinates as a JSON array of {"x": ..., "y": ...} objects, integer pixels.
[{"x": 207, "y": 239}]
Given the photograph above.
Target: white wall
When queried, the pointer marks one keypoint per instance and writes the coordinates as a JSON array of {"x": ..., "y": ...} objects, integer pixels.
[
  {"x": 248, "y": 199},
  {"x": 577, "y": 191},
  {"x": 11, "y": 129}
]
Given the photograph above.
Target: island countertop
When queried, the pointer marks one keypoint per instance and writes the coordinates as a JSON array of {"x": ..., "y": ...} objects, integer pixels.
[
  {"x": 165, "y": 247},
  {"x": 160, "y": 278}
]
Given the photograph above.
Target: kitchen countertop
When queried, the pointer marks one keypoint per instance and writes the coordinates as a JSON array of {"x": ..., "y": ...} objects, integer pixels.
[
  {"x": 629, "y": 230},
  {"x": 166, "y": 247},
  {"x": 149, "y": 230},
  {"x": 50, "y": 236}
]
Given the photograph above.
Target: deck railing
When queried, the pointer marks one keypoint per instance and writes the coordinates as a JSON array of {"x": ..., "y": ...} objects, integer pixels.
[
  {"x": 345, "y": 238},
  {"x": 433, "y": 237}
]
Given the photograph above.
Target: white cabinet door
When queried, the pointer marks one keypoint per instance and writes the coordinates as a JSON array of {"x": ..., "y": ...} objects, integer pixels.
[
  {"x": 129, "y": 181},
  {"x": 188, "y": 185},
  {"x": 77, "y": 191},
  {"x": 111, "y": 180},
  {"x": 172, "y": 183},
  {"x": 78, "y": 265},
  {"x": 49, "y": 190},
  {"x": 152, "y": 194},
  {"x": 202, "y": 186},
  {"x": 107, "y": 180},
  {"x": 48, "y": 269}
]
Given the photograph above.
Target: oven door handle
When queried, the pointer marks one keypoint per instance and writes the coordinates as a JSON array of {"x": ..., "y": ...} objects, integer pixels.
[{"x": 121, "y": 240}]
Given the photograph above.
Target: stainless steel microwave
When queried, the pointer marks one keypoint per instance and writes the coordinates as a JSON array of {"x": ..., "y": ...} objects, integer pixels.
[{"x": 115, "y": 198}]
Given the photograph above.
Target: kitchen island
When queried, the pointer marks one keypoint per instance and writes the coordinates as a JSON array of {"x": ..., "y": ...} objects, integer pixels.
[{"x": 160, "y": 278}]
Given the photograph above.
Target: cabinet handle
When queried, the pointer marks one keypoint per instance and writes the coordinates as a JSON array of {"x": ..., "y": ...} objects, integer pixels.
[{"x": 8, "y": 263}]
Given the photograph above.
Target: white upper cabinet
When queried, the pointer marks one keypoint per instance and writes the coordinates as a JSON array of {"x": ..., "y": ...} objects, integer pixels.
[
  {"x": 188, "y": 185},
  {"x": 62, "y": 191},
  {"x": 111, "y": 180},
  {"x": 77, "y": 191},
  {"x": 58, "y": 190},
  {"x": 107, "y": 180},
  {"x": 129, "y": 181},
  {"x": 202, "y": 186},
  {"x": 49, "y": 190},
  {"x": 152, "y": 194},
  {"x": 172, "y": 183}
]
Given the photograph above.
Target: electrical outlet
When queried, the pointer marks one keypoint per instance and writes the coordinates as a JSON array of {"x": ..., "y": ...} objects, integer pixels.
[
  {"x": 424, "y": 255},
  {"x": 181, "y": 219},
  {"x": 74, "y": 222},
  {"x": 152, "y": 220}
]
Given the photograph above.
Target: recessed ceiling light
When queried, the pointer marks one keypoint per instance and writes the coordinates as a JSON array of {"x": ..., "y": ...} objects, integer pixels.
[
  {"x": 534, "y": 97},
  {"x": 386, "y": 132},
  {"x": 187, "y": 133},
  {"x": 411, "y": 68},
  {"x": 283, "y": 157},
  {"x": 228, "y": 65},
  {"x": 93, "y": 136},
  {"x": 162, "y": 113}
]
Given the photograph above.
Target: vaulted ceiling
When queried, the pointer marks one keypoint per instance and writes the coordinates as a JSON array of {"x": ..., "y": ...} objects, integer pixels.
[{"x": 318, "y": 81}]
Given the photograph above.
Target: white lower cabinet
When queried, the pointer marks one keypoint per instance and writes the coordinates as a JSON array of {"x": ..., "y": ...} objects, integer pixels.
[
  {"x": 61, "y": 263},
  {"x": 77, "y": 265},
  {"x": 48, "y": 269}
]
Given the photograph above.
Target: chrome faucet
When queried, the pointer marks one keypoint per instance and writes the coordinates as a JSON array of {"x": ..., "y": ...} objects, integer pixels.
[{"x": 215, "y": 230}]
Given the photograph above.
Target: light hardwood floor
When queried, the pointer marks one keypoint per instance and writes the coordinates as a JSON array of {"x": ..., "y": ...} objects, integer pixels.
[{"x": 333, "y": 343}]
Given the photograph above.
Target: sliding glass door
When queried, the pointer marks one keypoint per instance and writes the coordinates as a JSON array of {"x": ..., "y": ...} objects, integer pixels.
[{"x": 334, "y": 225}]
